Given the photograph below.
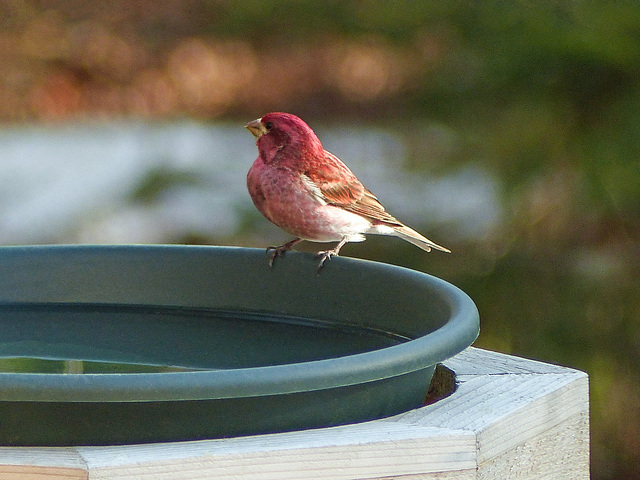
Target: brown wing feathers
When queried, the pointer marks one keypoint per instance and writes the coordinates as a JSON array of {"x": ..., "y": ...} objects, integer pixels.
[{"x": 346, "y": 191}]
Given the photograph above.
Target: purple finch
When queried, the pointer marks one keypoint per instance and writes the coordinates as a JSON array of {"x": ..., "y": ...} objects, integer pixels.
[{"x": 310, "y": 193}]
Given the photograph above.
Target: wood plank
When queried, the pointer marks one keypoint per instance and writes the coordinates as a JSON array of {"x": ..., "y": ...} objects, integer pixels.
[
  {"x": 27, "y": 472},
  {"x": 61, "y": 457},
  {"x": 360, "y": 433},
  {"x": 482, "y": 400},
  {"x": 519, "y": 425},
  {"x": 557, "y": 453},
  {"x": 506, "y": 410},
  {"x": 371, "y": 450},
  {"x": 475, "y": 361}
]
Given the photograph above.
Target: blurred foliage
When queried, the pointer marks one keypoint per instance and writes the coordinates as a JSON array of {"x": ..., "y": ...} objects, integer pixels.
[
  {"x": 158, "y": 180},
  {"x": 546, "y": 95}
]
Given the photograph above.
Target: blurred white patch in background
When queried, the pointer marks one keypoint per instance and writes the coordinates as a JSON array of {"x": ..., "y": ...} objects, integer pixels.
[{"x": 133, "y": 182}]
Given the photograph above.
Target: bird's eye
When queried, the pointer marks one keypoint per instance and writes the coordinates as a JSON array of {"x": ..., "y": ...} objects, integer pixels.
[{"x": 268, "y": 125}]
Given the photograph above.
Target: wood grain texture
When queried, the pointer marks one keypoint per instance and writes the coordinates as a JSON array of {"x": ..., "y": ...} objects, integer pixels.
[
  {"x": 509, "y": 418},
  {"x": 26, "y": 472},
  {"x": 562, "y": 452},
  {"x": 367, "y": 450}
]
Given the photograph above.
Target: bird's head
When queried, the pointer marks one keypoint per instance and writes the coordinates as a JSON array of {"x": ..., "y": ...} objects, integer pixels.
[{"x": 283, "y": 134}]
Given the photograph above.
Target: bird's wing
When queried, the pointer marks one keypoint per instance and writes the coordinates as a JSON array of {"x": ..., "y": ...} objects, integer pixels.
[{"x": 340, "y": 187}]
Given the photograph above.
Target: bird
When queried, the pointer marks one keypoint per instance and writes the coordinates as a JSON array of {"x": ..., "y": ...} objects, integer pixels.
[{"x": 311, "y": 194}]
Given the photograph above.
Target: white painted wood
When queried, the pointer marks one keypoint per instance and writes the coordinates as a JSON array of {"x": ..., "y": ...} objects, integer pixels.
[
  {"x": 508, "y": 418},
  {"x": 475, "y": 361}
]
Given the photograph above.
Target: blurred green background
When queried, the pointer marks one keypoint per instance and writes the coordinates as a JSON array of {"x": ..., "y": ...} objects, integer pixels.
[{"x": 542, "y": 96}]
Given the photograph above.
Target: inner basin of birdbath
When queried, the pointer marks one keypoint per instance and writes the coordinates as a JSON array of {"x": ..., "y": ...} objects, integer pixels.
[
  {"x": 105, "y": 345},
  {"x": 115, "y": 339}
]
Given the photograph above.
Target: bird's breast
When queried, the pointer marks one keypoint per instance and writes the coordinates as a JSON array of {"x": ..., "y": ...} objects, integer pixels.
[{"x": 293, "y": 202}]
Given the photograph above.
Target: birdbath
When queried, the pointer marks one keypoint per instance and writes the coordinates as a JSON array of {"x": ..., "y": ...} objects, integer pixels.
[{"x": 209, "y": 342}]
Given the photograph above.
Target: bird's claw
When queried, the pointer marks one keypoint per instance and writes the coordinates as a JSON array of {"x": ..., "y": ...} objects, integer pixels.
[
  {"x": 324, "y": 256},
  {"x": 327, "y": 254},
  {"x": 277, "y": 251}
]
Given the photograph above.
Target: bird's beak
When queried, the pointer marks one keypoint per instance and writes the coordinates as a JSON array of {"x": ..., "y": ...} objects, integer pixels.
[{"x": 256, "y": 128}]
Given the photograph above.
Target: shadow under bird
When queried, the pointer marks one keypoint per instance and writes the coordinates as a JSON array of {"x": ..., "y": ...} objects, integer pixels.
[{"x": 307, "y": 191}]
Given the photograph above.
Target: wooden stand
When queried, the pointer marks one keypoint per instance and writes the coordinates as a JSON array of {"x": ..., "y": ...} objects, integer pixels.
[{"x": 509, "y": 418}]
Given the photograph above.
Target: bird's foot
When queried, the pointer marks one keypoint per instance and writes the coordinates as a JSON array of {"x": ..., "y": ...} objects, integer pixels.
[
  {"x": 327, "y": 254},
  {"x": 324, "y": 256},
  {"x": 277, "y": 251}
]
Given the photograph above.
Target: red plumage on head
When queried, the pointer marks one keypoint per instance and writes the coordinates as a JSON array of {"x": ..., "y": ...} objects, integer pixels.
[{"x": 289, "y": 139}]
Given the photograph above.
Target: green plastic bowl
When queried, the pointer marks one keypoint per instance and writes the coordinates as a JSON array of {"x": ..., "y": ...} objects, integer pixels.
[{"x": 247, "y": 349}]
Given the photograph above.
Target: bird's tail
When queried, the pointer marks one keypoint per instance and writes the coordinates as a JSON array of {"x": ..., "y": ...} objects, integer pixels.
[{"x": 418, "y": 240}]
